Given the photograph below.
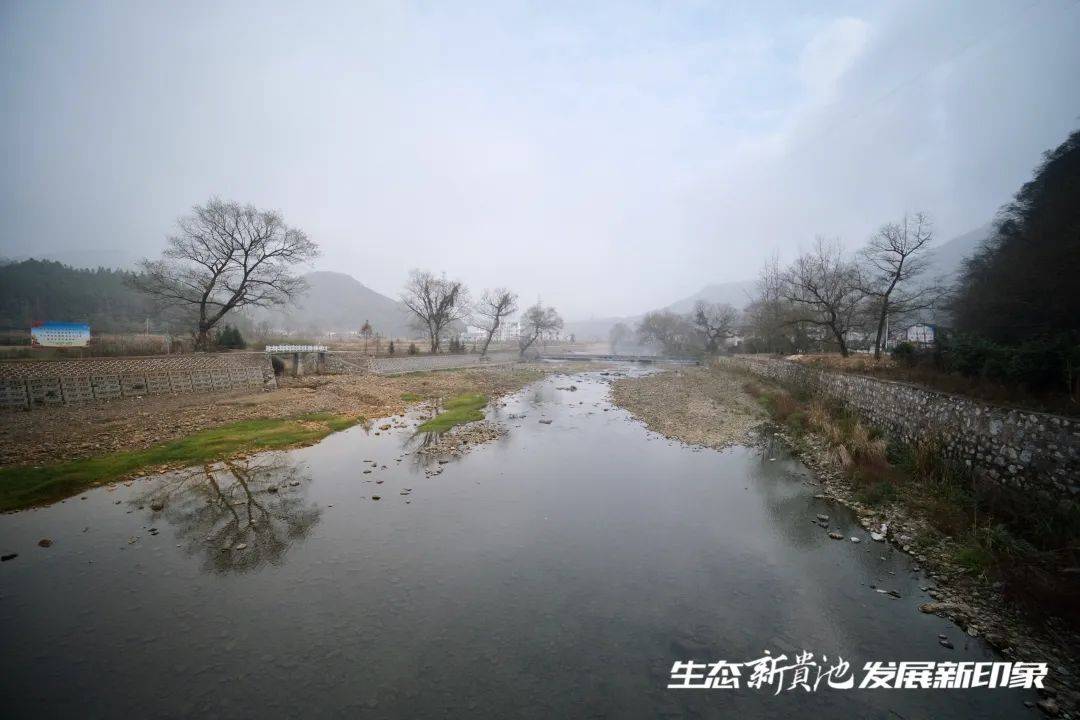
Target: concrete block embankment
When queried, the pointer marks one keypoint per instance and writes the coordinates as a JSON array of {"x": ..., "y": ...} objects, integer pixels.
[{"x": 33, "y": 383}]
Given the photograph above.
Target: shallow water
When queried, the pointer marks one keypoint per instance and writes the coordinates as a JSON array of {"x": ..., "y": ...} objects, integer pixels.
[{"x": 557, "y": 572}]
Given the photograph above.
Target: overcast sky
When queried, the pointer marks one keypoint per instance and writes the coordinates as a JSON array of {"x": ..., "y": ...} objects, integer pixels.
[{"x": 609, "y": 156}]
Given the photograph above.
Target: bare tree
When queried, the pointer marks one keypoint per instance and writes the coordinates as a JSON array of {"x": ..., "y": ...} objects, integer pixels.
[
  {"x": 494, "y": 305},
  {"x": 893, "y": 258},
  {"x": 436, "y": 302},
  {"x": 826, "y": 289},
  {"x": 536, "y": 322},
  {"x": 716, "y": 322},
  {"x": 619, "y": 334},
  {"x": 769, "y": 313},
  {"x": 227, "y": 256},
  {"x": 674, "y": 333}
]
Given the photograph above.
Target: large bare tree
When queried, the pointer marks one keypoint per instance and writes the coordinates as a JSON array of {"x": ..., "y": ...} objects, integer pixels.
[
  {"x": 893, "y": 259},
  {"x": 826, "y": 290},
  {"x": 716, "y": 322},
  {"x": 494, "y": 305},
  {"x": 537, "y": 322},
  {"x": 436, "y": 302},
  {"x": 227, "y": 256}
]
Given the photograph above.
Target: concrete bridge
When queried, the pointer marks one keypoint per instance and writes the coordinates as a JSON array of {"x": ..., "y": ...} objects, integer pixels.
[{"x": 298, "y": 353}]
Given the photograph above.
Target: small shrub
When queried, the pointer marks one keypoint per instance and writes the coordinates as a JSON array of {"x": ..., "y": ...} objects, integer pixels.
[
  {"x": 904, "y": 353},
  {"x": 391, "y": 348},
  {"x": 413, "y": 350},
  {"x": 874, "y": 491},
  {"x": 973, "y": 557},
  {"x": 229, "y": 338}
]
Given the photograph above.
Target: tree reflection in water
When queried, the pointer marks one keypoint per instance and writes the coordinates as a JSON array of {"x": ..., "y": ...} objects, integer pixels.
[{"x": 238, "y": 514}]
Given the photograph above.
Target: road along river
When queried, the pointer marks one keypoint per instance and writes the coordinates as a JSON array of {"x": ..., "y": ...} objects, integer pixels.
[{"x": 558, "y": 571}]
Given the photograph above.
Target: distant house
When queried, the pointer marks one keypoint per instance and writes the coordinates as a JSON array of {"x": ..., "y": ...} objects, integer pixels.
[
  {"x": 920, "y": 334},
  {"x": 508, "y": 330},
  {"x": 473, "y": 334}
]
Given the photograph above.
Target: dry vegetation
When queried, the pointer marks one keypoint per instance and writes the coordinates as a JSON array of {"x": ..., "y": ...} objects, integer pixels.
[
  {"x": 72, "y": 432},
  {"x": 992, "y": 532},
  {"x": 886, "y": 368}
]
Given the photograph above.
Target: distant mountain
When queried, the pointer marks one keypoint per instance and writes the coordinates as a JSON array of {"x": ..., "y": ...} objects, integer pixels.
[
  {"x": 737, "y": 294},
  {"x": 339, "y": 302},
  {"x": 947, "y": 259}
]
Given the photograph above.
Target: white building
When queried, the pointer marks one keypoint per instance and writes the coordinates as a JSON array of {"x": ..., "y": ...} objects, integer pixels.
[{"x": 920, "y": 334}]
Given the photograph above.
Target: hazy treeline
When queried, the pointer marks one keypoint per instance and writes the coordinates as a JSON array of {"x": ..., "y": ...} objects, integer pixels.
[
  {"x": 438, "y": 304},
  {"x": 1013, "y": 315},
  {"x": 823, "y": 300},
  {"x": 33, "y": 290},
  {"x": 1017, "y": 307}
]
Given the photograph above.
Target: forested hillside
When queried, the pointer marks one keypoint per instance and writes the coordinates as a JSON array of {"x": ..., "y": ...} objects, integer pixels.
[{"x": 51, "y": 291}]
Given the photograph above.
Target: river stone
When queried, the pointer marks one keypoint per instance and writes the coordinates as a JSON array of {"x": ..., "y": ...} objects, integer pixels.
[
  {"x": 44, "y": 542},
  {"x": 157, "y": 505},
  {"x": 836, "y": 536},
  {"x": 1049, "y": 706},
  {"x": 878, "y": 537}
]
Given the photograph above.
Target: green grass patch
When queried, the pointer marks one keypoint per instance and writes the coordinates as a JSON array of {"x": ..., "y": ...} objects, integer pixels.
[
  {"x": 456, "y": 411},
  {"x": 25, "y": 486},
  {"x": 411, "y": 397}
]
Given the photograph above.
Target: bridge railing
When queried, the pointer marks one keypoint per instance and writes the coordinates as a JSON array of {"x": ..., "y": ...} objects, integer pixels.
[{"x": 294, "y": 348}]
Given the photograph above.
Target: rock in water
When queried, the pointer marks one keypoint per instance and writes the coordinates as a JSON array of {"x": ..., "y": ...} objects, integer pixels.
[
  {"x": 1049, "y": 706},
  {"x": 836, "y": 536},
  {"x": 157, "y": 505},
  {"x": 44, "y": 542}
]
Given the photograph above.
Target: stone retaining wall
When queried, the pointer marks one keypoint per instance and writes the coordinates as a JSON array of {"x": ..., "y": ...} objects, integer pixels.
[
  {"x": 1028, "y": 450},
  {"x": 33, "y": 383},
  {"x": 419, "y": 363}
]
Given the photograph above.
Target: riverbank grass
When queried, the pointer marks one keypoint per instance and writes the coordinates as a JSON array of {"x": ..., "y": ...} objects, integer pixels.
[
  {"x": 26, "y": 486},
  {"x": 987, "y": 529},
  {"x": 457, "y": 411}
]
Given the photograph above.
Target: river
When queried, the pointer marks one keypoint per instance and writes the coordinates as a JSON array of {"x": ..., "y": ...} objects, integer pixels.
[{"x": 556, "y": 572}]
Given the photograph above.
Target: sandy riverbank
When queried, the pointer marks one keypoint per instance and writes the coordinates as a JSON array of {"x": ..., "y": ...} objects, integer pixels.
[{"x": 697, "y": 405}]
